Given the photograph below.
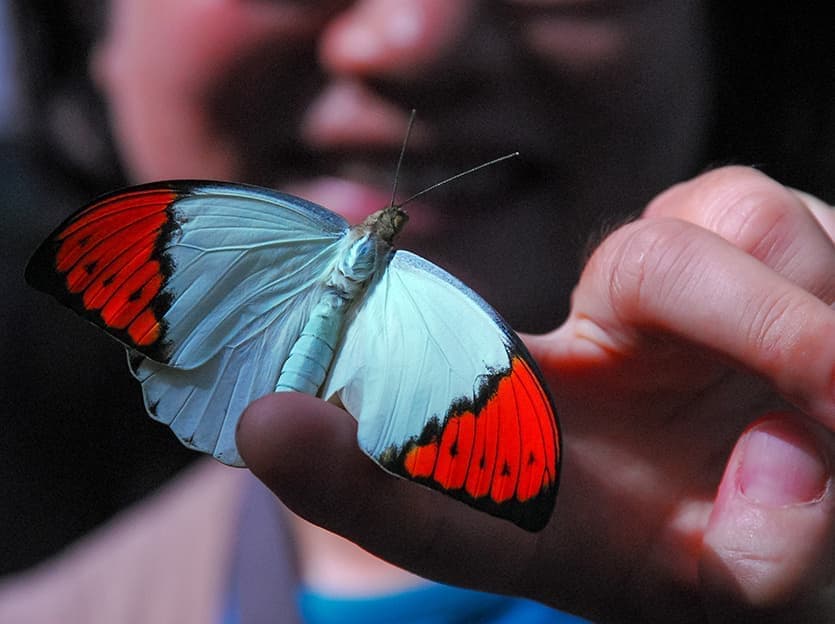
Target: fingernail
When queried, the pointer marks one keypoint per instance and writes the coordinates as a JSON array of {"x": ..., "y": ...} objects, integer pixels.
[{"x": 782, "y": 465}]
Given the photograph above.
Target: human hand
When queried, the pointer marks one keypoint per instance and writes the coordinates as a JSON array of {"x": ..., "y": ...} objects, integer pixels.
[{"x": 694, "y": 381}]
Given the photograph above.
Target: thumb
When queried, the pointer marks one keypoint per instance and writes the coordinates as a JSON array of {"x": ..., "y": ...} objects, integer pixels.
[
  {"x": 305, "y": 450},
  {"x": 769, "y": 540}
]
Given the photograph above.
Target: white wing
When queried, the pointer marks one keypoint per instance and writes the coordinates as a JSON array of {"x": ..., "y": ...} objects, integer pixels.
[
  {"x": 241, "y": 257},
  {"x": 202, "y": 405},
  {"x": 445, "y": 393},
  {"x": 413, "y": 346},
  {"x": 246, "y": 268}
]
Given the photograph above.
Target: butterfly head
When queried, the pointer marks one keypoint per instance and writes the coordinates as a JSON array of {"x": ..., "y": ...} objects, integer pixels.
[{"x": 387, "y": 223}]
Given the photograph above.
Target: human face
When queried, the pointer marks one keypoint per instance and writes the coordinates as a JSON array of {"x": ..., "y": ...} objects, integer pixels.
[{"x": 605, "y": 100}]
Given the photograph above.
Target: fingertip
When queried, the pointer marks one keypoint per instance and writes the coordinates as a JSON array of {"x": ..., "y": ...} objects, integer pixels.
[
  {"x": 768, "y": 541},
  {"x": 289, "y": 439},
  {"x": 782, "y": 464}
]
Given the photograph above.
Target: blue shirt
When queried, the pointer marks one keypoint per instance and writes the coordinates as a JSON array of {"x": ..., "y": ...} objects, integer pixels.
[
  {"x": 263, "y": 586},
  {"x": 432, "y": 603}
]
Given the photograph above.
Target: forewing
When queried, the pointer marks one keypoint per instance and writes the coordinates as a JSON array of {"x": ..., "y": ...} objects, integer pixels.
[
  {"x": 447, "y": 395},
  {"x": 178, "y": 271}
]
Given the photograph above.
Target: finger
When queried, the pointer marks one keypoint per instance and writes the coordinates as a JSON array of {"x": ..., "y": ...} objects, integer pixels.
[
  {"x": 823, "y": 212},
  {"x": 305, "y": 450},
  {"x": 761, "y": 217},
  {"x": 666, "y": 278},
  {"x": 769, "y": 541}
]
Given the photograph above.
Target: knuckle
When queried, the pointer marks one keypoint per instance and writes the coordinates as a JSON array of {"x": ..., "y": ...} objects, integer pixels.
[
  {"x": 765, "y": 329},
  {"x": 758, "y": 575},
  {"x": 644, "y": 262},
  {"x": 740, "y": 204},
  {"x": 789, "y": 337},
  {"x": 760, "y": 217},
  {"x": 768, "y": 575}
]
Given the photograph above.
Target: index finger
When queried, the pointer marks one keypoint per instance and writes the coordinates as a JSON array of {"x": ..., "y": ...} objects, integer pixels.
[
  {"x": 823, "y": 212},
  {"x": 661, "y": 277}
]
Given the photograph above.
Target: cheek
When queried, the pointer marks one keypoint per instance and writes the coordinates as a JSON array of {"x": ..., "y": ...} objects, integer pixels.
[
  {"x": 156, "y": 142},
  {"x": 163, "y": 66},
  {"x": 624, "y": 44}
]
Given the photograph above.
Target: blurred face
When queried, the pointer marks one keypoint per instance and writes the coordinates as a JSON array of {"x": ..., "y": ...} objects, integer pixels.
[{"x": 605, "y": 100}]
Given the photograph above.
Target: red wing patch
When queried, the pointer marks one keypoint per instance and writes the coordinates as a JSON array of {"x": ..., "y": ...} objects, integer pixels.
[
  {"x": 499, "y": 454},
  {"x": 106, "y": 262}
]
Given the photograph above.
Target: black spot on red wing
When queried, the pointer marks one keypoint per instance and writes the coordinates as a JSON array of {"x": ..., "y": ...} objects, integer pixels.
[
  {"x": 135, "y": 295},
  {"x": 505, "y": 470},
  {"x": 453, "y": 449},
  {"x": 90, "y": 267},
  {"x": 531, "y": 459}
]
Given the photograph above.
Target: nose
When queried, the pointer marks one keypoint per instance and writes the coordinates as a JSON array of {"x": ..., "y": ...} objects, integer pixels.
[
  {"x": 392, "y": 38},
  {"x": 398, "y": 42}
]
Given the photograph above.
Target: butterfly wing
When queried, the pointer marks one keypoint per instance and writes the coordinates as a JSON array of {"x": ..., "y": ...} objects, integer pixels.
[
  {"x": 179, "y": 270},
  {"x": 192, "y": 277},
  {"x": 202, "y": 405},
  {"x": 447, "y": 395}
]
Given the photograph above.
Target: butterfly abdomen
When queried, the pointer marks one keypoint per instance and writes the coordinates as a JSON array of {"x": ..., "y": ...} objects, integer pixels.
[{"x": 312, "y": 353}]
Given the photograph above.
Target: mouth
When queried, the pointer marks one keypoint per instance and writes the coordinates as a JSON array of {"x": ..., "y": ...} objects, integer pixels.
[
  {"x": 358, "y": 184},
  {"x": 356, "y": 200}
]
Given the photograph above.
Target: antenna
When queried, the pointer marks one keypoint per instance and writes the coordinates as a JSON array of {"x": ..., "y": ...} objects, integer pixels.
[
  {"x": 402, "y": 154},
  {"x": 489, "y": 163},
  {"x": 458, "y": 175}
]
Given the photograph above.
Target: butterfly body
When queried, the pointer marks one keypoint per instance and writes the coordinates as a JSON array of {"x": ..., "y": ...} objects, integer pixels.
[
  {"x": 355, "y": 263},
  {"x": 223, "y": 293}
]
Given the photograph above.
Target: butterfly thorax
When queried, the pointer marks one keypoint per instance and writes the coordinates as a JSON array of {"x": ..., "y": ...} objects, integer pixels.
[{"x": 364, "y": 250}]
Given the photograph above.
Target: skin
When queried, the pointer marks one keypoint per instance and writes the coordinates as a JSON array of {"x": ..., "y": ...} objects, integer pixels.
[{"x": 694, "y": 370}]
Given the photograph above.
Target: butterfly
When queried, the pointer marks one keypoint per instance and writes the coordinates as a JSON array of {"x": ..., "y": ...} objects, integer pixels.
[{"x": 223, "y": 293}]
